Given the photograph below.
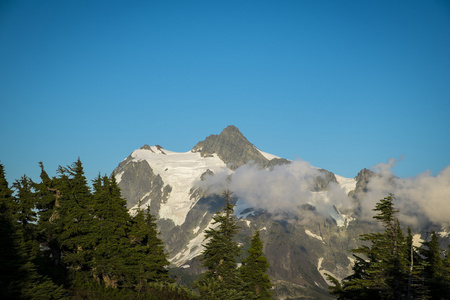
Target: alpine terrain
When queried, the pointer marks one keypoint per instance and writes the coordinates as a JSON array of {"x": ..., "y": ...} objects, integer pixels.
[{"x": 308, "y": 217}]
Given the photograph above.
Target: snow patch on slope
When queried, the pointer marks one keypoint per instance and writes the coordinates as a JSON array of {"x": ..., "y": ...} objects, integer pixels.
[
  {"x": 119, "y": 176},
  {"x": 348, "y": 184},
  {"x": 443, "y": 234},
  {"x": 180, "y": 171},
  {"x": 314, "y": 235},
  {"x": 268, "y": 156},
  {"x": 193, "y": 249},
  {"x": 322, "y": 271}
]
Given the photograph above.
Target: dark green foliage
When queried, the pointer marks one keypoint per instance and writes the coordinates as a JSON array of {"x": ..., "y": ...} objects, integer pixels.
[
  {"x": 19, "y": 278},
  {"x": 434, "y": 270},
  {"x": 386, "y": 274},
  {"x": 147, "y": 259},
  {"x": 11, "y": 261},
  {"x": 254, "y": 268},
  {"x": 109, "y": 234},
  {"x": 152, "y": 291},
  {"x": 221, "y": 279},
  {"x": 85, "y": 240},
  {"x": 416, "y": 288},
  {"x": 390, "y": 267},
  {"x": 381, "y": 272},
  {"x": 73, "y": 221}
]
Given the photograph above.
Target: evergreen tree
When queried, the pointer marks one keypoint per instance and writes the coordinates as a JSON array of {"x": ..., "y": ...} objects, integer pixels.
[
  {"x": 49, "y": 260},
  {"x": 11, "y": 261},
  {"x": 19, "y": 278},
  {"x": 254, "y": 268},
  {"x": 47, "y": 198},
  {"x": 383, "y": 273},
  {"x": 147, "y": 260},
  {"x": 447, "y": 269},
  {"x": 73, "y": 223},
  {"x": 416, "y": 287},
  {"x": 434, "y": 270},
  {"x": 221, "y": 279},
  {"x": 110, "y": 237},
  {"x": 25, "y": 213}
]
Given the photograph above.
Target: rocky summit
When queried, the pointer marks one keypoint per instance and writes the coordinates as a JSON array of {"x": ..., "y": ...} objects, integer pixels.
[{"x": 308, "y": 217}]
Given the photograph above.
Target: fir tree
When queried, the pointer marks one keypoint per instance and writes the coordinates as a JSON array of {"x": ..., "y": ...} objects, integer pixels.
[
  {"x": 416, "y": 287},
  {"x": 147, "y": 260},
  {"x": 434, "y": 269},
  {"x": 73, "y": 223},
  {"x": 254, "y": 268},
  {"x": 11, "y": 261},
  {"x": 221, "y": 279},
  {"x": 19, "y": 278},
  {"x": 25, "y": 213},
  {"x": 383, "y": 273},
  {"x": 110, "y": 238}
]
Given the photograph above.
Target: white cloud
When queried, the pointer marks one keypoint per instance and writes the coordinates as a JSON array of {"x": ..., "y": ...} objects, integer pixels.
[{"x": 286, "y": 187}]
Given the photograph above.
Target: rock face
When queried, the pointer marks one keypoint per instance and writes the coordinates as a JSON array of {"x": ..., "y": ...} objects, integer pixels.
[
  {"x": 138, "y": 182},
  {"x": 300, "y": 245},
  {"x": 231, "y": 147},
  {"x": 362, "y": 179}
]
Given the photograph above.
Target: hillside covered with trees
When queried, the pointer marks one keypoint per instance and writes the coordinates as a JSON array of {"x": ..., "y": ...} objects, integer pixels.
[{"x": 64, "y": 239}]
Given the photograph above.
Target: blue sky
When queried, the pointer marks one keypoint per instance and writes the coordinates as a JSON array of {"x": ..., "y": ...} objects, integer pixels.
[{"x": 343, "y": 85}]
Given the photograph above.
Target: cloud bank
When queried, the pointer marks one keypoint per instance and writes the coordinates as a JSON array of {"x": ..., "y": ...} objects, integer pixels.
[
  {"x": 421, "y": 199},
  {"x": 285, "y": 188}
]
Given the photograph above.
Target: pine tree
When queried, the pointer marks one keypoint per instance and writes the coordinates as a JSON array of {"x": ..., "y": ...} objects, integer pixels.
[
  {"x": 447, "y": 270},
  {"x": 254, "y": 268},
  {"x": 19, "y": 278},
  {"x": 434, "y": 270},
  {"x": 382, "y": 272},
  {"x": 416, "y": 287},
  {"x": 110, "y": 237},
  {"x": 25, "y": 213},
  {"x": 221, "y": 279},
  {"x": 127, "y": 252},
  {"x": 147, "y": 260},
  {"x": 11, "y": 261},
  {"x": 73, "y": 223}
]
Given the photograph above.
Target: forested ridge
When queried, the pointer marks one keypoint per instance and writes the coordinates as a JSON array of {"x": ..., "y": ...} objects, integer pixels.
[{"x": 63, "y": 239}]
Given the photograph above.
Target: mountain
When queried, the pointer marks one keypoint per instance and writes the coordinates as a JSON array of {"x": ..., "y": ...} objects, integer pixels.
[{"x": 297, "y": 208}]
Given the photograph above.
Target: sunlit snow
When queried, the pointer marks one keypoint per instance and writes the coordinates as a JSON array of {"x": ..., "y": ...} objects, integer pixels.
[
  {"x": 267, "y": 155},
  {"x": 322, "y": 271},
  {"x": 180, "y": 171},
  {"x": 193, "y": 249},
  {"x": 417, "y": 240},
  {"x": 314, "y": 235},
  {"x": 348, "y": 184}
]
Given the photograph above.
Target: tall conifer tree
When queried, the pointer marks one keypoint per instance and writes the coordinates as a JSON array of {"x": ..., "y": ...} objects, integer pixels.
[
  {"x": 147, "y": 260},
  {"x": 254, "y": 268},
  {"x": 434, "y": 269},
  {"x": 383, "y": 273},
  {"x": 221, "y": 279},
  {"x": 73, "y": 222},
  {"x": 110, "y": 236},
  {"x": 19, "y": 278}
]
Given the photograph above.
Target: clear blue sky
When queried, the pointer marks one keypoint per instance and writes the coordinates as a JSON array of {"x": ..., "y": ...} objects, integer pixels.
[{"x": 343, "y": 85}]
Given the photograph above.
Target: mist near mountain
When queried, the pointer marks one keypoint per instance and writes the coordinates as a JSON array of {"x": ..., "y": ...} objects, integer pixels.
[
  {"x": 285, "y": 188},
  {"x": 421, "y": 199},
  {"x": 308, "y": 217}
]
